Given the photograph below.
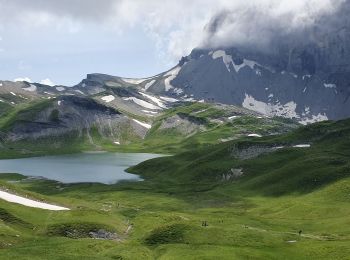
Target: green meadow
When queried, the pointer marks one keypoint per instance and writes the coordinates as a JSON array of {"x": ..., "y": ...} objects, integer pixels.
[{"x": 249, "y": 198}]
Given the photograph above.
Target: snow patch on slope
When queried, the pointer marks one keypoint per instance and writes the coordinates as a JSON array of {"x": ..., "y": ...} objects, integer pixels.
[
  {"x": 149, "y": 84},
  {"x": 330, "y": 85},
  {"x": 170, "y": 76},
  {"x": 142, "y": 103},
  {"x": 313, "y": 119},
  {"x": 28, "y": 202},
  {"x": 154, "y": 99},
  {"x": 169, "y": 99},
  {"x": 133, "y": 81},
  {"x": 145, "y": 125},
  {"x": 227, "y": 59},
  {"x": 60, "y": 88},
  {"x": 108, "y": 98},
  {"x": 286, "y": 110}
]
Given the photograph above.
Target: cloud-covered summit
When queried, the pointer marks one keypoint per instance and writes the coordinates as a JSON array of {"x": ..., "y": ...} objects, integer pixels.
[{"x": 263, "y": 24}]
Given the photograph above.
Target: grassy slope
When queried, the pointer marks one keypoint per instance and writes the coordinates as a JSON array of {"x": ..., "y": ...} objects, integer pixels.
[
  {"x": 251, "y": 217},
  {"x": 168, "y": 141}
]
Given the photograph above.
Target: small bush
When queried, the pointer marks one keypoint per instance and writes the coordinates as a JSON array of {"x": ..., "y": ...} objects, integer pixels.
[
  {"x": 54, "y": 116},
  {"x": 166, "y": 235},
  {"x": 75, "y": 230}
]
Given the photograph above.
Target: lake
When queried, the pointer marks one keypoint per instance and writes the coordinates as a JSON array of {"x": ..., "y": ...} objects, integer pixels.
[{"x": 105, "y": 167}]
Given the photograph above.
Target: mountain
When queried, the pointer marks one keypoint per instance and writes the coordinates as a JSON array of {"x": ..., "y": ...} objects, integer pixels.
[
  {"x": 303, "y": 75},
  {"x": 308, "y": 83}
]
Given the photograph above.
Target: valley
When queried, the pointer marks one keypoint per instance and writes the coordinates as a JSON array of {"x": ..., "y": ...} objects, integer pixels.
[{"x": 240, "y": 186}]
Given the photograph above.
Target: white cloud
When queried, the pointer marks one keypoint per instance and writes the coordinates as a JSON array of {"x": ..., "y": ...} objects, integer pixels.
[
  {"x": 176, "y": 27},
  {"x": 47, "y": 82},
  {"x": 23, "y": 79}
]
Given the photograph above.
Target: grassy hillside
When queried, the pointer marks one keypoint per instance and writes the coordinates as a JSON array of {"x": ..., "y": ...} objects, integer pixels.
[
  {"x": 202, "y": 124},
  {"x": 243, "y": 199}
]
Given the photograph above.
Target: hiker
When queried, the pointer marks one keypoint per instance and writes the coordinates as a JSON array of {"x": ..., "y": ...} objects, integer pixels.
[{"x": 300, "y": 231}]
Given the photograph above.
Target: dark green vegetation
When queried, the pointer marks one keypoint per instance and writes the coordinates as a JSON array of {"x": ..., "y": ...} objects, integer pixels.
[{"x": 253, "y": 195}]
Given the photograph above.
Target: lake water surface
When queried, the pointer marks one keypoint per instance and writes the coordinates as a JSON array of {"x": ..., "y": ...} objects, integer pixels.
[{"x": 103, "y": 167}]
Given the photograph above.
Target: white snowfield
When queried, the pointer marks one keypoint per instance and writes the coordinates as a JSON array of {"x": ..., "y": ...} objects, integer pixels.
[
  {"x": 254, "y": 135},
  {"x": 149, "y": 84},
  {"x": 133, "y": 81},
  {"x": 28, "y": 202},
  {"x": 302, "y": 146},
  {"x": 60, "y": 88},
  {"x": 149, "y": 112},
  {"x": 169, "y": 99},
  {"x": 170, "y": 76},
  {"x": 154, "y": 99},
  {"x": 142, "y": 103},
  {"x": 227, "y": 59},
  {"x": 108, "y": 98},
  {"x": 145, "y": 125}
]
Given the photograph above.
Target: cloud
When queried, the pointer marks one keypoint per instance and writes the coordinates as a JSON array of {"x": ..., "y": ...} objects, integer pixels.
[
  {"x": 176, "y": 27},
  {"x": 47, "y": 82},
  {"x": 263, "y": 23},
  {"x": 23, "y": 79}
]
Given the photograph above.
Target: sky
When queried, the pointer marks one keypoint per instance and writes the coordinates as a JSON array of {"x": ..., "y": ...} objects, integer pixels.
[{"x": 60, "y": 41}]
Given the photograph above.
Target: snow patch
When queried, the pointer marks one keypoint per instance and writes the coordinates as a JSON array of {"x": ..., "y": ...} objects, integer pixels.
[
  {"x": 145, "y": 125},
  {"x": 330, "y": 85},
  {"x": 108, "y": 98},
  {"x": 142, "y": 103},
  {"x": 285, "y": 110},
  {"x": 60, "y": 88},
  {"x": 306, "y": 77},
  {"x": 254, "y": 135},
  {"x": 150, "y": 112},
  {"x": 178, "y": 91},
  {"x": 149, "y": 84},
  {"x": 302, "y": 146},
  {"x": 116, "y": 142},
  {"x": 313, "y": 119},
  {"x": 154, "y": 99},
  {"x": 169, "y": 99},
  {"x": 133, "y": 81},
  {"x": 79, "y": 91},
  {"x": 13, "y": 94},
  {"x": 170, "y": 76},
  {"x": 28, "y": 202},
  {"x": 227, "y": 59},
  {"x": 59, "y": 102}
]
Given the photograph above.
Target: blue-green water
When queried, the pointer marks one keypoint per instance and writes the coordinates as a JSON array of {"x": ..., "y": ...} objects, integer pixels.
[{"x": 103, "y": 167}]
